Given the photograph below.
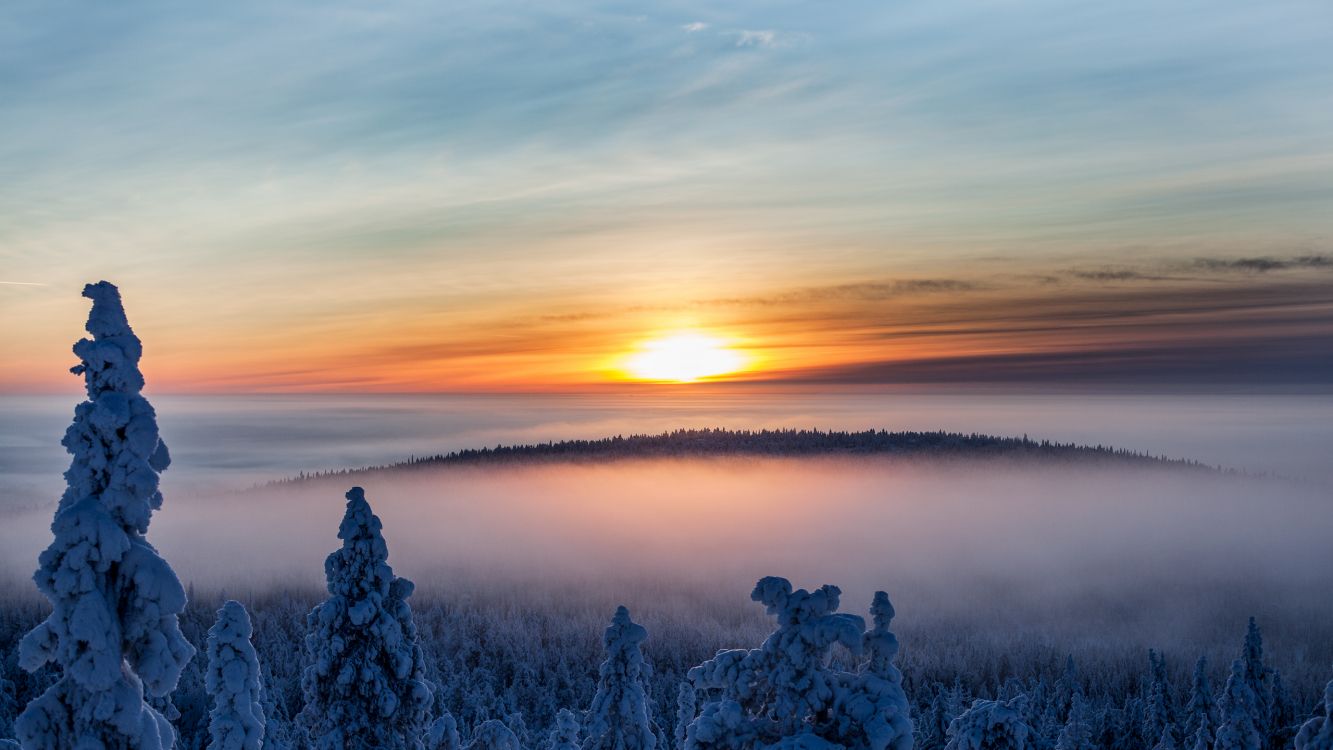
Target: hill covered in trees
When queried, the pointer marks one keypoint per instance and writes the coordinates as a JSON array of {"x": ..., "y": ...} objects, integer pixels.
[{"x": 777, "y": 444}]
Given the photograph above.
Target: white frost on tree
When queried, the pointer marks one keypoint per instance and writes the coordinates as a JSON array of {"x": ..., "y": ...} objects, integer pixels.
[
  {"x": 620, "y": 717},
  {"x": 1238, "y": 707},
  {"x": 873, "y": 712},
  {"x": 113, "y": 630},
  {"x": 1201, "y": 711},
  {"x": 1168, "y": 740},
  {"x": 1203, "y": 739},
  {"x": 1076, "y": 734},
  {"x": 686, "y": 709},
  {"x": 991, "y": 725},
  {"x": 443, "y": 734},
  {"x": 784, "y": 693},
  {"x": 364, "y": 684},
  {"x": 1317, "y": 733},
  {"x": 565, "y": 736},
  {"x": 234, "y": 681},
  {"x": 494, "y": 735}
]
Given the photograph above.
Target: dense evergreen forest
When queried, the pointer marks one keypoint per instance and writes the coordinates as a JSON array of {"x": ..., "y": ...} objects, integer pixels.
[{"x": 776, "y": 444}]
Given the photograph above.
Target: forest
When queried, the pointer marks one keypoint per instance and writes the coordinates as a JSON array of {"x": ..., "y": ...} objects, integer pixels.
[
  {"x": 126, "y": 657},
  {"x": 711, "y": 443}
]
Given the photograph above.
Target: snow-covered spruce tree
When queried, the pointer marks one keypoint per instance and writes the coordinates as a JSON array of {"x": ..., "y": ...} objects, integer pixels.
[
  {"x": 1281, "y": 715},
  {"x": 234, "y": 681},
  {"x": 443, "y": 734},
  {"x": 1066, "y": 688},
  {"x": 1238, "y": 730},
  {"x": 991, "y": 725},
  {"x": 1076, "y": 734},
  {"x": 1203, "y": 739},
  {"x": 686, "y": 710},
  {"x": 565, "y": 735},
  {"x": 933, "y": 731},
  {"x": 1258, "y": 676},
  {"x": 785, "y": 693},
  {"x": 494, "y": 735},
  {"x": 364, "y": 682},
  {"x": 1168, "y": 740},
  {"x": 113, "y": 630},
  {"x": 1201, "y": 711},
  {"x": 620, "y": 717},
  {"x": 872, "y": 712},
  {"x": 1159, "y": 711},
  {"x": 1317, "y": 733}
]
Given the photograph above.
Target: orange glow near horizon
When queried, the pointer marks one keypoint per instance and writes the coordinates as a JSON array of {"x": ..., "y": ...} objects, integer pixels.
[{"x": 683, "y": 357}]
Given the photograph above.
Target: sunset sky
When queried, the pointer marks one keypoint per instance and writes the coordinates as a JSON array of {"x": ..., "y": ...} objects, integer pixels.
[{"x": 518, "y": 196}]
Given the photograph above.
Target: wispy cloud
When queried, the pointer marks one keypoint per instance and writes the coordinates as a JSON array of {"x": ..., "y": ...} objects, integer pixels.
[
  {"x": 769, "y": 38},
  {"x": 1265, "y": 264}
]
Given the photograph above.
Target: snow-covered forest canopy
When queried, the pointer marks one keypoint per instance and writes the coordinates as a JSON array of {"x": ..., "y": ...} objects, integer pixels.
[{"x": 120, "y": 657}]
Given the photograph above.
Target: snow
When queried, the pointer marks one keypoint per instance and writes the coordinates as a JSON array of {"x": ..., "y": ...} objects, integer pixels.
[
  {"x": 443, "y": 734},
  {"x": 784, "y": 693},
  {"x": 494, "y": 735},
  {"x": 364, "y": 684},
  {"x": 114, "y": 630},
  {"x": 565, "y": 736},
  {"x": 990, "y": 725},
  {"x": 233, "y": 680},
  {"x": 1317, "y": 733},
  {"x": 620, "y": 717},
  {"x": 1238, "y": 707}
]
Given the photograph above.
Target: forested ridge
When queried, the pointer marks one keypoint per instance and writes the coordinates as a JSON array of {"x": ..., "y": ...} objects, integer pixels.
[{"x": 717, "y": 442}]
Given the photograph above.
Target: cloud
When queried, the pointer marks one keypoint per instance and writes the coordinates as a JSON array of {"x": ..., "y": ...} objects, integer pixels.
[
  {"x": 868, "y": 291},
  {"x": 1294, "y": 360},
  {"x": 767, "y": 38},
  {"x": 695, "y": 27},
  {"x": 1265, "y": 264},
  {"x": 1114, "y": 275}
]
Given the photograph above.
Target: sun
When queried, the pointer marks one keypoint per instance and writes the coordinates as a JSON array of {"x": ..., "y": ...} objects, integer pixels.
[{"x": 683, "y": 358}]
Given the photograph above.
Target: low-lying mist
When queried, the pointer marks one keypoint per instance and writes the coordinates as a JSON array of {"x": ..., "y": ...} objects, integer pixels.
[{"x": 1089, "y": 560}]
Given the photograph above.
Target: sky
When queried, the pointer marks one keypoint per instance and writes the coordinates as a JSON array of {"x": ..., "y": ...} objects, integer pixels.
[{"x": 512, "y": 196}]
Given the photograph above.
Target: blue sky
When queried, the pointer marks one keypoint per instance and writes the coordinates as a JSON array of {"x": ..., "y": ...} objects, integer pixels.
[{"x": 469, "y": 162}]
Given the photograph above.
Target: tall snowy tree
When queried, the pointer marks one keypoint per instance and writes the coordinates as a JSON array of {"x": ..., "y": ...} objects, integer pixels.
[
  {"x": 365, "y": 686},
  {"x": 1317, "y": 733},
  {"x": 1258, "y": 676},
  {"x": 113, "y": 630},
  {"x": 1066, "y": 688},
  {"x": 234, "y": 681},
  {"x": 1203, "y": 739},
  {"x": 784, "y": 692},
  {"x": 1281, "y": 715},
  {"x": 872, "y": 712},
  {"x": 494, "y": 735},
  {"x": 1076, "y": 734},
  {"x": 1238, "y": 730},
  {"x": 443, "y": 734},
  {"x": 620, "y": 717},
  {"x": 991, "y": 725},
  {"x": 1168, "y": 740},
  {"x": 686, "y": 710},
  {"x": 1159, "y": 712},
  {"x": 1201, "y": 711},
  {"x": 565, "y": 735},
  {"x": 934, "y": 731}
]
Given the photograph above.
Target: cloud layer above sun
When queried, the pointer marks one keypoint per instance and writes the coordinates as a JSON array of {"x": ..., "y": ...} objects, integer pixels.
[{"x": 487, "y": 195}]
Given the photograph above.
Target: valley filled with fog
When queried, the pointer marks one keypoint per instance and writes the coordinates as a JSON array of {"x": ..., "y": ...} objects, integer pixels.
[{"x": 999, "y": 569}]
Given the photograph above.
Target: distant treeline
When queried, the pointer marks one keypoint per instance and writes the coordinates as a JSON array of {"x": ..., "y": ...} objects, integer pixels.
[{"x": 772, "y": 443}]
